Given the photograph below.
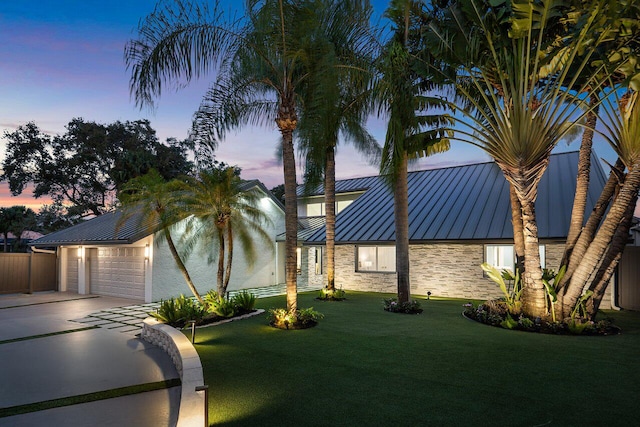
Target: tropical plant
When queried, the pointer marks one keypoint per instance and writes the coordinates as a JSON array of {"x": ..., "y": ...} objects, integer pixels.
[
  {"x": 222, "y": 212},
  {"x": 244, "y": 301},
  {"x": 300, "y": 319},
  {"x": 179, "y": 311},
  {"x": 335, "y": 103},
  {"x": 332, "y": 294},
  {"x": 167, "y": 312},
  {"x": 151, "y": 200},
  {"x": 512, "y": 297},
  {"x": 259, "y": 69},
  {"x": 509, "y": 322},
  {"x": 16, "y": 220},
  {"x": 395, "y": 306},
  {"x": 521, "y": 103},
  {"x": 401, "y": 96},
  {"x": 551, "y": 281},
  {"x": 597, "y": 253},
  {"x": 219, "y": 304}
]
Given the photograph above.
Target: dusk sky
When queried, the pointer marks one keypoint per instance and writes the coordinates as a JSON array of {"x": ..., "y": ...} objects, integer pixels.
[{"x": 62, "y": 59}]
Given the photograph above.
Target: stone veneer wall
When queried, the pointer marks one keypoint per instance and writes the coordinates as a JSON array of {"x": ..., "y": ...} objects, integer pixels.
[{"x": 444, "y": 269}]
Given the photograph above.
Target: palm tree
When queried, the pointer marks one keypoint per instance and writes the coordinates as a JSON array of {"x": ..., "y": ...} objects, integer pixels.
[
  {"x": 400, "y": 95},
  {"x": 518, "y": 116},
  {"x": 153, "y": 199},
  {"x": 16, "y": 219},
  {"x": 259, "y": 72},
  {"x": 221, "y": 212},
  {"x": 335, "y": 102},
  {"x": 594, "y": 271}
]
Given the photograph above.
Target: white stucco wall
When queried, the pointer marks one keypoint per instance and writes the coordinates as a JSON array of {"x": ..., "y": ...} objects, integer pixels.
[{"x": 167, "y": 281}]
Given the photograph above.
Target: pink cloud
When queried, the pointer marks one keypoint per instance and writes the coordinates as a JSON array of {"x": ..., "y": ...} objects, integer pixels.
[{"x": 25, "y": 199}]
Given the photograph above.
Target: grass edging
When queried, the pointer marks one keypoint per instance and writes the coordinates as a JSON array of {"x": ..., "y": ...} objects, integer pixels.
[
  {"x": 88, "y": 397},
  {"x": 49, "y": 302},
  {"x": 50, "y": 334}
]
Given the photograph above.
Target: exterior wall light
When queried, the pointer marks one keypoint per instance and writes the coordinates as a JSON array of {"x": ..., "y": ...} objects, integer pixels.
[
  {"x": 80, "y": 252},
  {"x": 146, "y": 252}
]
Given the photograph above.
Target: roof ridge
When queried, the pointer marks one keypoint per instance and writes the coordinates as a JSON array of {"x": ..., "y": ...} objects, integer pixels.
[{"x": 452, "y": 166}]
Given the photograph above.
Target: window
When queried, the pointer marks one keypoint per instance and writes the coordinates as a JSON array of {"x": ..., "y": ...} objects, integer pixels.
[
  {"x": 299, "y": 260},
  {"x": 376, "y": 258},
  {"x": 315, "y": 209},
  {"x": 319, "y": 267},
  {"x": 503, "y": 257},
  {"x": 318, "y": 209},
  {"x": 500, "y": 256}
]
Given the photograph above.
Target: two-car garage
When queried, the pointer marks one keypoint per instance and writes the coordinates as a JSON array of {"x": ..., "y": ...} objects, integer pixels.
[{"x": 103, "y": 257}]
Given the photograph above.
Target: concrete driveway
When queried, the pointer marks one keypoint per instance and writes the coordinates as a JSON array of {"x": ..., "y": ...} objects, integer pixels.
[{"x": 48, "y": 357}]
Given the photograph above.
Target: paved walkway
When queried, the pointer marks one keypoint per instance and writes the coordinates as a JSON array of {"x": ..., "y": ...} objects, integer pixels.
[
  {"x": 128, "y": 319},
  {"x": 47, "y": 357}
]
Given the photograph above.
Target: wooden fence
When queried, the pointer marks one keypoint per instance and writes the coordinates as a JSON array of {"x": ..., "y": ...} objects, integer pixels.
[
  {"x": 629, "y": 279},
  {"x": 22, "y": 273}
]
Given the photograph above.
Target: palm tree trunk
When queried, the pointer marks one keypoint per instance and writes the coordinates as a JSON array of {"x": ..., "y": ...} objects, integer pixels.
[
  {"x": 610, "y": 262},
  {"x": 181, "y": 266},
  {"x": 221, "y": 253},
  {"x": 330, "y": 207},
  {"x": 287, "y": 123},
  {"x": 401, "y": 208},
  {"x": 588, "y": 232},
  {"x": 582, "y": 182},
  {"x": 518, "y": 228},
  {"x": 227, "y": 274},
  {"x": 533, "y": 293},
  {"x": 593, "y": 257}
]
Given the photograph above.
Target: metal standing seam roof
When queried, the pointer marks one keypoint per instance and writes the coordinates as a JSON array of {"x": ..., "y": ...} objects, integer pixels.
[
  {"x": 342, "y": 186},
  {"x": 102, "y": 229},
  {"x": 99, "y": 230},
  {"x": 468, "y": 202}
]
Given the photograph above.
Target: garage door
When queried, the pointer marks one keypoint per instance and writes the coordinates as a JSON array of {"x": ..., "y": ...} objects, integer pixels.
[
  {"x": 118, "y": 272},
  {"x": 72, "y": 270}
]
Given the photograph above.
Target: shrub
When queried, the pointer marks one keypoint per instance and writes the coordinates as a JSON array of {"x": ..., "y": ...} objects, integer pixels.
[
  {"x": 526, "y": 323},
  {"x": 223, "y": 307},
  {"x": 304, "y": 318},
  {"x": 332, "y": 295},
  {"x": 509, "y": 322},
  {"x": 244, "y": 301},
  {"x": 209, "y": 297},
  {"x": 178, "y": 311},
  {"x": 167, "y": 312},
  {"x": 409, "y": 307}
]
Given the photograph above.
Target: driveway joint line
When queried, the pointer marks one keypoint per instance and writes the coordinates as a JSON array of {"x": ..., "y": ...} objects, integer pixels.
[
  {"x": 89, "y": 397},
  {"x": 49, "y": 302},
  {"x": 33, "y": 337}
]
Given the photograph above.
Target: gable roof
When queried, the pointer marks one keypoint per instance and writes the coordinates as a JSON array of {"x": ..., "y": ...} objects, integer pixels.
[
  {"x": 342, "y": 186},
  {"x": 468, "y": 202},
  {"x": 99, "y": 230},
  {"x": 102, "y": 229}
]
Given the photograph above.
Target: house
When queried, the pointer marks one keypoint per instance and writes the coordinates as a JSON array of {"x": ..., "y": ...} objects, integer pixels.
[
  {"x": 459, "y": 217},
  {"x": 96, "y": 257},
  {"x": 26, "y": 237}
]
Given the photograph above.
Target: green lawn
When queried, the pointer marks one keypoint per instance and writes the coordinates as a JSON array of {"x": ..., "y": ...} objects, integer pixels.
[{"x": 362, "y": 366}]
